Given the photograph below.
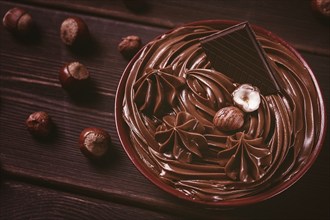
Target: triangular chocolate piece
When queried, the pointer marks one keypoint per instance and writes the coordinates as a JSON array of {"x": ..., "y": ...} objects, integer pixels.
[{"x": 236, "y": 52}]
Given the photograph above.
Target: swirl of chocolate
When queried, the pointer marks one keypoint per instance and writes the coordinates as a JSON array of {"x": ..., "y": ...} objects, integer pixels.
[
  {"x": 171, "y": 97},
  {"x": 244, "y": 158},
  {"x": 206, "y": 92},
  {"x": 157, "y": 89},
  {"x": 183, "y": 134}
]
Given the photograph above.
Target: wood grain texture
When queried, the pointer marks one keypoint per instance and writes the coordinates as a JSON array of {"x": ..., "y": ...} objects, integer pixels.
[
  {"x": 29, "y": 82},
  {"x": 293, "y": 20},
  {"x": 24, "y": 201}
]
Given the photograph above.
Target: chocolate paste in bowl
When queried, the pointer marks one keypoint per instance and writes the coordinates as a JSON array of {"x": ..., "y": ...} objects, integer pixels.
[{"x": 171, "y": 96}]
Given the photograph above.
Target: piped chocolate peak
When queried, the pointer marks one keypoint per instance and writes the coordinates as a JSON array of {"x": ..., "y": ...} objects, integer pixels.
[{"x": 236, "y": 52}]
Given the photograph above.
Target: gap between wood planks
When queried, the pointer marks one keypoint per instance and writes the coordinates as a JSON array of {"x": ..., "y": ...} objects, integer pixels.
[
  {"x": 176, "y": 209},
  {"x": 126, "y": 16},
  {"x": 86, "y": 10}
]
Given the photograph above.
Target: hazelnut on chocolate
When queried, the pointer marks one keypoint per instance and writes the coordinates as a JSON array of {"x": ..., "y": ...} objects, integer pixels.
[
  {"x": 229, "y": 119},
  {"x": 247, "y": 97},
  {"x": 129, "y": 46}
]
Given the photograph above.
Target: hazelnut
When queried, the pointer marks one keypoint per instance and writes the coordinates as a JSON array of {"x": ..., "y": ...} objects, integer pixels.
[
  {"x": 74, "y": 31},
  {"x": 39, "y": 124},
  {"x": 321, "y": 8},
  {"x": 247, "y": 98},
  {"x": 73, "y": 76},
  {"x": 129, "y": 46},
  {"x": 228, "y": 119},
  {"x": 94, "y": 142},
  {"x": 18, "y": 21}
]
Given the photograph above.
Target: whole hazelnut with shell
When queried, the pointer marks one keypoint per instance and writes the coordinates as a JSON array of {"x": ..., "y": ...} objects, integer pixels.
[
  {"x": 74, "y": 32},
  {"x": 229, "y": 119},
  {"x": 129, "y": 46},
  {"x": 74, "y": 76},
  {"x": 18, "y": 21},
  {"x": 94, "y": 142},
  {"x": 39, "y": 124}
]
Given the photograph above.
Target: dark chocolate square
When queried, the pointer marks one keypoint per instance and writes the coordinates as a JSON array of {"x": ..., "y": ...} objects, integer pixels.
[{"x": 236, "y": 52}]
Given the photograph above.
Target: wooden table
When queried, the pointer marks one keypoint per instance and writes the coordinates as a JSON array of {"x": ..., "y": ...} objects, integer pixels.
[{"x": 52, "y": 179}]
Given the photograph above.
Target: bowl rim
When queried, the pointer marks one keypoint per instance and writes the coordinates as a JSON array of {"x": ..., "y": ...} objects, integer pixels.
[{"x": 259, "y": 197}]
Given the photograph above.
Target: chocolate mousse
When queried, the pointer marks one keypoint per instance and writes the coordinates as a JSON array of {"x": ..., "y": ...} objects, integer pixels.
[{"x": 171, "y": 99}]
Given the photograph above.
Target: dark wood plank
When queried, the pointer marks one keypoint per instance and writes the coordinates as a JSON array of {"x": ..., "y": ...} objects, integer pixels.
[
  {"x": 293, "y": 20},
  {"x": 28, "y": 82},
  {"x": 304, "y": 200},
  {"x": 23, "y": 201}
]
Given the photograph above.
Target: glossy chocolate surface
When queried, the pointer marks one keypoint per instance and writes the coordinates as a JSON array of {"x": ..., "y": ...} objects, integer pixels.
[{"x": 171, "y": 96}]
